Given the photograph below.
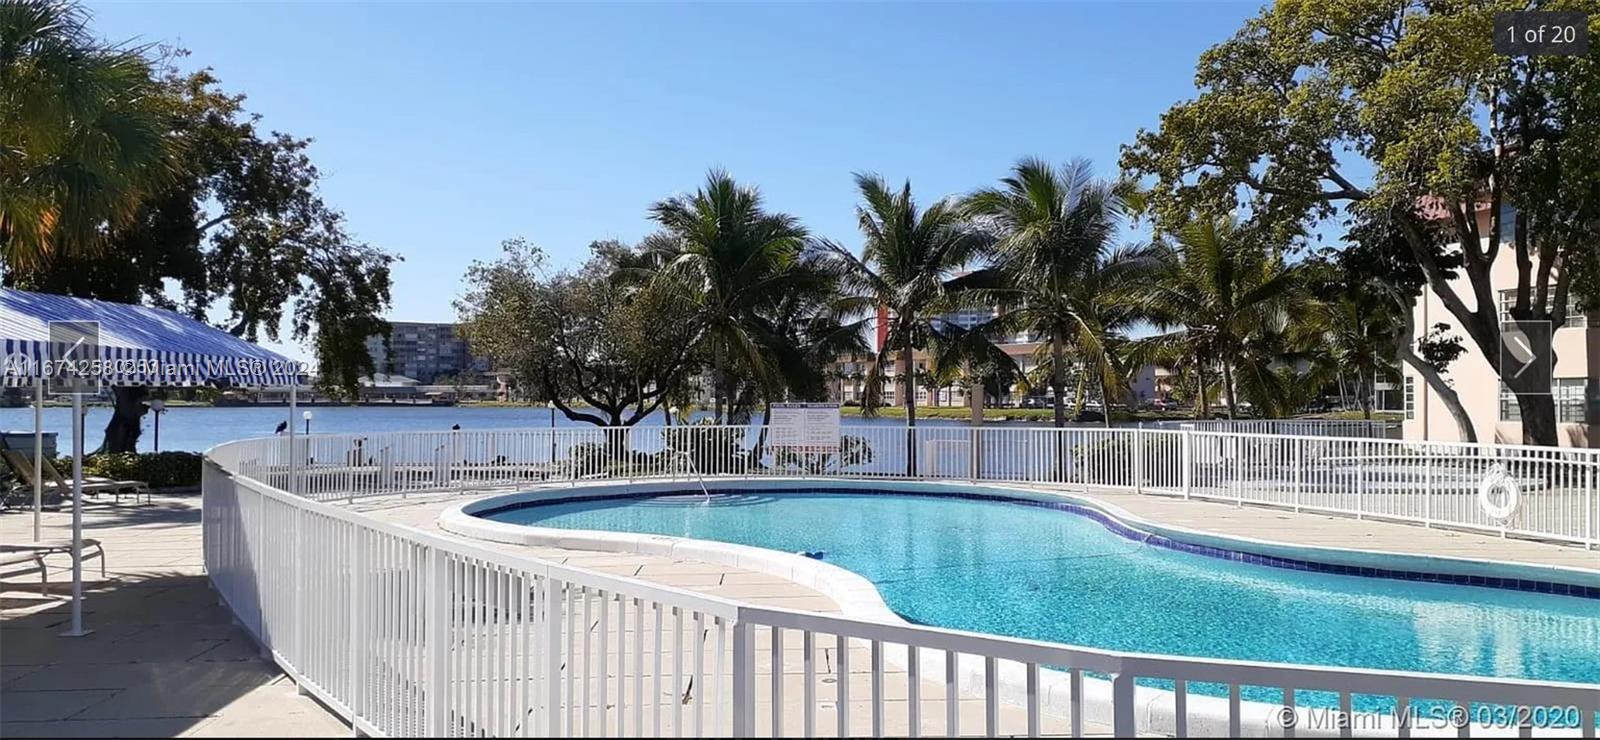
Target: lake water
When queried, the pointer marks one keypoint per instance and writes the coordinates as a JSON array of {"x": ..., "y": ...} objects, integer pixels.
[{"x": 198, "y": 428}]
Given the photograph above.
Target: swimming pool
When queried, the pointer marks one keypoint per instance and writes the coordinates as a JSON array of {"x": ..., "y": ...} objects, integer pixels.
[{"x": 1013, "y": 568}]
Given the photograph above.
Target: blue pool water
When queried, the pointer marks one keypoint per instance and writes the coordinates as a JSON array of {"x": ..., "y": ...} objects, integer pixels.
[{"x": 1027, "y": 571}]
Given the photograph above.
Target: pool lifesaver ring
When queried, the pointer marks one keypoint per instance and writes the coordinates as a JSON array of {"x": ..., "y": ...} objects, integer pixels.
[{"x": 1499, "y": 494}]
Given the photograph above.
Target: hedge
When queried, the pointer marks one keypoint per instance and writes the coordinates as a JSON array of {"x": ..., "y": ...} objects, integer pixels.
[{"x": 159, "y": 469}]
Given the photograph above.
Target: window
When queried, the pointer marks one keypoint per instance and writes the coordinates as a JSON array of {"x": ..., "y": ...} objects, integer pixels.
[
  {"x": 1411, "y": 397},
  {"x": 1576, "y": 401},
  {"x": 1574, "y": 398},
  {"x": 1509, "y": 411},
  {"x": 1508, "y": 222},
  {"x": 1575, "y": 317}
]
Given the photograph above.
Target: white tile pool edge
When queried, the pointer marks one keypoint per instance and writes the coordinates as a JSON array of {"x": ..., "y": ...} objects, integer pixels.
[{"x": 859, "y": 598}]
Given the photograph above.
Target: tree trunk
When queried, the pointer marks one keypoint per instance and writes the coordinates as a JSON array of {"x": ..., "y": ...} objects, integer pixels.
[
  {"x": 1058, "y": 380},
  {"x": 907, "y": 362},
  {"x": 761, "y": 437},
  {"x": 1538, "y": 410},
  {"x": 1227, "y": 388},
  {"x": 1366, "y": 388},
  {"x": 1105, "y": 402},
  {"x": 123, "y": 430},
  {"x": 717, "y": 382},
  {"x": 1433, "y": 377},
  {"x": 1203, "y": 403}
]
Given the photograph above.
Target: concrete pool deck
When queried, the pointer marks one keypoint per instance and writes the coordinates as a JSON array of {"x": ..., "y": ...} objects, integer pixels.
[{"x": 166, "y": 660}]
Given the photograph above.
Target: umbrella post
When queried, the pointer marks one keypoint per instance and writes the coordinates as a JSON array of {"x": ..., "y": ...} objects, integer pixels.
[
  {"x": 77, "y": 629},
  {"x": 38, "y": 454}
]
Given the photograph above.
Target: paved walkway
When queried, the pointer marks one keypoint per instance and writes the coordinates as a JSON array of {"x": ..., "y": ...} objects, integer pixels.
[
  {"x": 1321, "y": 530},
  {"x": 164, "y": 658}
]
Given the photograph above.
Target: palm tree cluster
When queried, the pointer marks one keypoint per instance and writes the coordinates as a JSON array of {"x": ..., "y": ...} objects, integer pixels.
[{"x": 1038, "y": 255}]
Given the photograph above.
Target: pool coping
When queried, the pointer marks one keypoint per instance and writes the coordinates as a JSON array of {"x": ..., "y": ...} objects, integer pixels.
[{"x": 858, "y": 598}]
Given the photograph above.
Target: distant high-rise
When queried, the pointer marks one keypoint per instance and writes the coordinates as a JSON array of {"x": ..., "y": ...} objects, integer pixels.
[{"x": 425, "y": 351}]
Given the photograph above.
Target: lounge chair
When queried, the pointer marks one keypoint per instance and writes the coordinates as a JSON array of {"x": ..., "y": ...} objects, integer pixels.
[
  {"x": 55, "y": 482},
  {"x": 25, "y": 563},
  {"x": 117, "y": 488},
  {"x": 26, "y": 559}
]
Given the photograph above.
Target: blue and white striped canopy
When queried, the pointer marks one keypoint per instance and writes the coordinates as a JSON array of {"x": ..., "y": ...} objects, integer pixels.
[{"x": 138, "y": 345}]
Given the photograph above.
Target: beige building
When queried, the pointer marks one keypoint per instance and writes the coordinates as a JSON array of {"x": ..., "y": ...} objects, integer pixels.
[{"x": 1493, "y": 409}]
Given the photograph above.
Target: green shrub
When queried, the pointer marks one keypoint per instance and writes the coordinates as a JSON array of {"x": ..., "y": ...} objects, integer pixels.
[{"x": 159, "y": 469}]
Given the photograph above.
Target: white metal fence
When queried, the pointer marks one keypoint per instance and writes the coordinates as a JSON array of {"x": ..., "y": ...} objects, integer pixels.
[
  {"x": 1376, "y": 429},
  {"x": 405, "y": 632},
  {"x": 1429, "y": 483}
]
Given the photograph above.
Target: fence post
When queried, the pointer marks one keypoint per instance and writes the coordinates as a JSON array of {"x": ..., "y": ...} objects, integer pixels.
[
  {"x": 438, "y": 646},
  {"x": 1138, "y": 458},
  {"x": 296, "y": 651},
  {"x": 1122, "y": 712},
  {"x": 1188, "y": 462},
  {"x": 1427, "y": 490},
  {"x": 744, "y": 679},
  {"x": 1361, "y": 483},
  {"x": 358, "y": 610},
  {"x": 552, "y": 654},
  {"x": 259, "y": 554},
  {"x": 1591, "y": 516},
  {"x": 974, "y": 453},
  {"x": 1299, "y": 471}
]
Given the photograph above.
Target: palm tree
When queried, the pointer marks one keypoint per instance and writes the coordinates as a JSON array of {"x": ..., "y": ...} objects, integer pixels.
[
  {"x": 908, "y": 260},
  {"x": 721, "y": 249},
  {"x": 805, "y": 323},
  {"x": 85, "y": 139},
  {"x": 1353, "y": 331},
  {"x": 1054, "y": 273},
  {"x": 1226, "y": 300}
]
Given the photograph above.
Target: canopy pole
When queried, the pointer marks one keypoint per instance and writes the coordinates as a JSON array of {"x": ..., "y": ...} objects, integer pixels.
[
  {"x": 38, "y": 454},
  {"x": 293, "y": 455},
  {"x": 77, "y": 519}
]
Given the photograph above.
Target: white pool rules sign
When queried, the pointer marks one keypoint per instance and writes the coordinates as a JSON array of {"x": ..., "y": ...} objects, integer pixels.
[{"x": 805, "y": 427}]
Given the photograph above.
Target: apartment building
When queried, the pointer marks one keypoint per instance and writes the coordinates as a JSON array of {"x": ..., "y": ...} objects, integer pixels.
[
  {"x": 1492, "y": 408},
  {"x": 425, "y": 351}
]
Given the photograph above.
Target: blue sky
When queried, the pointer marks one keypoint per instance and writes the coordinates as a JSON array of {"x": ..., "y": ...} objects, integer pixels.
[{"x": 442, "y": 129}]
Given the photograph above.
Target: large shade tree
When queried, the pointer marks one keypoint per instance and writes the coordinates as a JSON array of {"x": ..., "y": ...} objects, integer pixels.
[
  {"x": 236, "y": 231},
  {"x": 1378, "y": 259},
  {"x": 1310, "y": 92},
  {"x": 908, "y": 264},
  {"x": 603, "y": 352}
]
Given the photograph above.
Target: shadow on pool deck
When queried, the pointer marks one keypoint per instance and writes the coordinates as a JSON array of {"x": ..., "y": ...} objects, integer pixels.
[{"x": 164, "y": 660}]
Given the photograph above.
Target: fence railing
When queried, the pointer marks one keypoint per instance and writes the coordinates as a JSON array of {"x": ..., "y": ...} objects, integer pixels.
[
  {"x": 1436, "y": 484},
  {"x": 407, "y": 632},
  {"x": 1376, "y": 429}
]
